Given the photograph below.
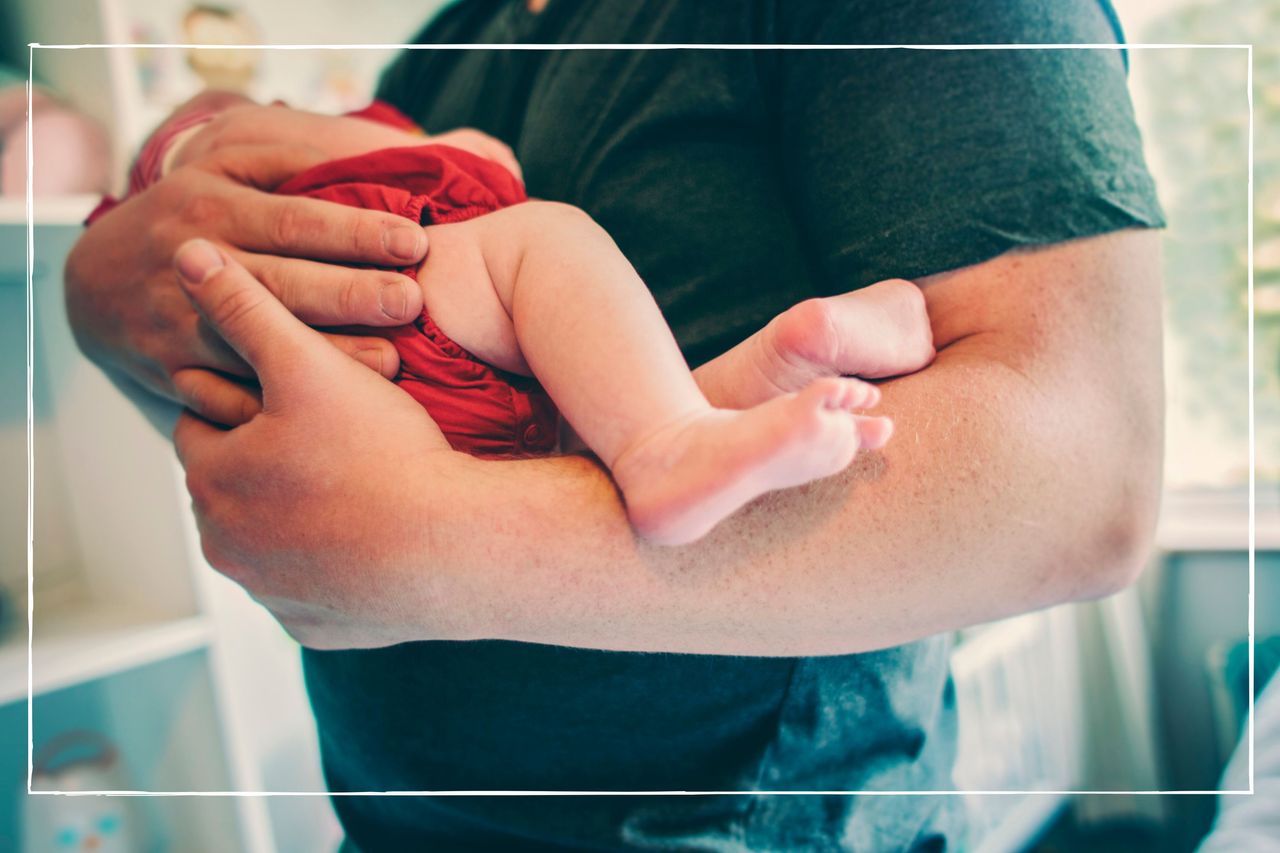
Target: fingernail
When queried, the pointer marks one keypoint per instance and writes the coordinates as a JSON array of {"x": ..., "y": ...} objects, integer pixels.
[
  {"x": 404, "y": 242},
  {"x": 197, "y": 260},
  {"x": 393, "y": 300},
  {"x": 370, "y": 358}
]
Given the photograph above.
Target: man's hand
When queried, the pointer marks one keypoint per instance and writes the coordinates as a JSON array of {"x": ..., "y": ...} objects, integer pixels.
[
  {"x": 248, "y": 123},
  {"x": 130, "y": 318},
  {"x": 128, "y": 315},
  {"x": 324, "y": 594}
]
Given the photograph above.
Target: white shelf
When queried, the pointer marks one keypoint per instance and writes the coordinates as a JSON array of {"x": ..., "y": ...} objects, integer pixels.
[
  {"x": 200, "y": 692},
  {"x": 85, "y": 640},
  {"x": 65, "y": 213},
  {"x": 49, "y": 210},
  {"x": 1218, "y": 520}
]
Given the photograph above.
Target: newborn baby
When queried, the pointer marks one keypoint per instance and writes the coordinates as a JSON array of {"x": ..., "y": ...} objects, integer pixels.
[{"x": 515, "y": 289}]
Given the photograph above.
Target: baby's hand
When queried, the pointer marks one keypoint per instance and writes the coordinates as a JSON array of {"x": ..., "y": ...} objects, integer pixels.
[{"x": 878, "y": 331}]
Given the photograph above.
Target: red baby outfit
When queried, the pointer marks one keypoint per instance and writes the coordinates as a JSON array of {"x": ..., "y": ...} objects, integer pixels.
[{"x": 481, "y": 410}]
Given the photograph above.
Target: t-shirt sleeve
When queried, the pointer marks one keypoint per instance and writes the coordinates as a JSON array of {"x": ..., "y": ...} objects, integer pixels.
[{"x": 905, "y": 162}]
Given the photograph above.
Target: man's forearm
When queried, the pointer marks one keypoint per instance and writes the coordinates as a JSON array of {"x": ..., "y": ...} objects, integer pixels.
[
  {"x": 1011, "y": 484},
  {"x": 964, "y": 518},
  {"x": 1025, "y": 470}
]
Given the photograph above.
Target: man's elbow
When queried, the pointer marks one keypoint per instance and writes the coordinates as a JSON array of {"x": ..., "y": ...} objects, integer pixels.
[
  {"x": 1121, "y": 540},
  {"x": 1123, "y": 547}
]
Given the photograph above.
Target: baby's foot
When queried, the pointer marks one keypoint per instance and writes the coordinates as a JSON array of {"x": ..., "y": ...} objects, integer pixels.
[
  {"x": 681, "y": 481},
  {"x": 878, "y": 331}
]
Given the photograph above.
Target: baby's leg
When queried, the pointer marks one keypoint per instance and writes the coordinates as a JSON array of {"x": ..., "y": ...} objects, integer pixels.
[
  {"x": 684, "y": 478},
  {"x": 590, "y": 331},
  {"x": 878, "y": 331}
]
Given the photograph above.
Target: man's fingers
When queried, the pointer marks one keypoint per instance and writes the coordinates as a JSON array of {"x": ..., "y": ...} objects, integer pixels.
[
  {"x": 483, "y": 145},
  {"x": 325, "y": 230},
  {"x": 217, "y": 398},
  {"x": 330, "y": 295},
  {"x": 377, "y": 354},
  {"x": 192, "y": 438},
  {"x": 320, "y": 295},
  {"x": 263, "y": 166},
  {"x": 216, "y": 353},
  {"x": 240, "y": 309}
]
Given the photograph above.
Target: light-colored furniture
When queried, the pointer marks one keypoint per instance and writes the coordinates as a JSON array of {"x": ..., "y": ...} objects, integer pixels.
[{"x": 134, "y": 636}]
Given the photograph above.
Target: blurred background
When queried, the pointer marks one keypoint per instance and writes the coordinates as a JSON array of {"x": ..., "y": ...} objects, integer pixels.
[{"x": 190, "y": 687}]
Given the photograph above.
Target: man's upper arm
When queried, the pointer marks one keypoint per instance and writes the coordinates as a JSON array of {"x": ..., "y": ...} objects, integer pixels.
[
  {"x": 1075, "y": 328},
  {"x": 1024, "y": 473},
  {"x": 905, "y": 163},
  {"x": 1011, "y": 185}
]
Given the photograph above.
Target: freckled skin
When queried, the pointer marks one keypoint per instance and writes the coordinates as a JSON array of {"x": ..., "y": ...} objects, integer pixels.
[{"x": 1041, "y": 426}]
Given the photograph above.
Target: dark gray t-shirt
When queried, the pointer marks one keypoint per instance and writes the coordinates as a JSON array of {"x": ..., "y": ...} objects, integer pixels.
[{"x": 738, "y": 183}]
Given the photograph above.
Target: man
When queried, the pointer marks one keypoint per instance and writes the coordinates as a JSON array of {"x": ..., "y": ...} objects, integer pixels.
[{"x": 1025, "y": 471}]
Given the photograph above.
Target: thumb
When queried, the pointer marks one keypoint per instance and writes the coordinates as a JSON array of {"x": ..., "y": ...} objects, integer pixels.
[{"x": 247, "y": 316}]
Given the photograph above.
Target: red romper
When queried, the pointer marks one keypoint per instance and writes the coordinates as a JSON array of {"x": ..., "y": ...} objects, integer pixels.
[{"x": 481, "y": 410}]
